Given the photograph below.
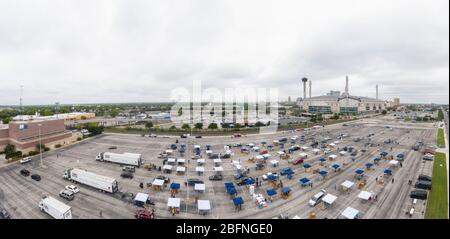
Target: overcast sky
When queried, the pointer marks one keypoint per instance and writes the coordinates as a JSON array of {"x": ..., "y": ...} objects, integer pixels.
[{"x": 137, "y": 51}]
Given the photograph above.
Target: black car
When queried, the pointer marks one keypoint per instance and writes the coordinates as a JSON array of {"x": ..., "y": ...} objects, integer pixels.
[
  {"x": 216, "y": 177},
  {"x": 193, "y": 181},
  {"x": 419, "y": 194},
  {"x": 36, "y": 177},
  {"x": 113, "y": 147},
  {"x": 423, "y": 177},
  {"x": 127, "y": 175},
  {"x": 243, "y": 180},
  {"x": 25, "y": 172},
  {"x": 423, "y": 185},
  {"x": 4, "y": 214},
  {"x": 198, "y": 137}
]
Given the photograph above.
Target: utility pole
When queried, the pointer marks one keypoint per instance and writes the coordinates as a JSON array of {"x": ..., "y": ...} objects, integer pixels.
[
  {"x": 21, "y": 94},
  {"x": 40, "y": 146}
]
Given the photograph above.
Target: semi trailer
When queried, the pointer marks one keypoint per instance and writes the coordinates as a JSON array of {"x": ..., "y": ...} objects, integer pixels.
[
  {"x": 124, "y": 159},
  {"x": 102, "y": 183}
]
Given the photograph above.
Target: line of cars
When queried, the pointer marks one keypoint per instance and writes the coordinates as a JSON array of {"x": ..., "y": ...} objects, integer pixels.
[{"x": 423, "y": 184}]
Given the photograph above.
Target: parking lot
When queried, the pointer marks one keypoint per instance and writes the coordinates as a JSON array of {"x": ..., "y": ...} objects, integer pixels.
[{"x": 390, "y": 193}]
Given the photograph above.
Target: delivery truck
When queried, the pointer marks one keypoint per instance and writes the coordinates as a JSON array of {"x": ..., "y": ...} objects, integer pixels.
[
  {"x": 102, "y": 183},
  {"x": 55, "y": 208},
  {"x": 124, "y": 159}
]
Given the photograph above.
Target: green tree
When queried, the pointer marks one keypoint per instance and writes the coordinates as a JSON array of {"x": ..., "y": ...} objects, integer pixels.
[
  {"x": 149, "y": 125},
  {"x": 237, "y": 126},
  {"x": 384, "y": 112},
  {"x": 212, "y": 126},
  {"x": 440, "y": 115},
  {"x": 113, "y": 113},
  {"x": 10, "y": 149},
  {"x": 173, "y": 127},
  {"x": 198, "y": 125},
  {"x": 180, "y": 111},
  {"x": 259, "y": 124},
  {"x": 185, "y": 126}
]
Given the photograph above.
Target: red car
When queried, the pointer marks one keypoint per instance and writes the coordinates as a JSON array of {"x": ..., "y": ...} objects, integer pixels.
[
  {"x": 237, "y": 135},
  {"x": 143, "y": 214},
  {"x": 264, "y": 152},
  {"x": 429, "y": 151},
  {"x": 298, "y": 161},
  {"x": 299, "y": 129}
]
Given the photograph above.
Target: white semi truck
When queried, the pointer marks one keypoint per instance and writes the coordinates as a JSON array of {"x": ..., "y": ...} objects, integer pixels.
[
  {"x": 55, "y": 208},
  {"x": 103, "y": 183},
  {"x": 125, "y": 158}
]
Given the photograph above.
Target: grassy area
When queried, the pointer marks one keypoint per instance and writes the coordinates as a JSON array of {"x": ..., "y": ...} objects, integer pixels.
[
  {"x": 437, "y": 207},
  {"x": 441, "y": 138}
]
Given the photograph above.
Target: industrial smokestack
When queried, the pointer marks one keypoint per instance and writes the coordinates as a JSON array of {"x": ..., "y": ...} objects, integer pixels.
[
  {"x": 346, "y": 86},
  {"x": 304, "y": 80},
  {"x": 310, "y": 85},
  {"x": 376, "y": 87}
]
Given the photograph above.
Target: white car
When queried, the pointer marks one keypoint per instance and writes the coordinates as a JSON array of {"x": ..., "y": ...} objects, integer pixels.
[
  {"x": 25, "y": 160},
  {"x": 72, "y": 188},
  {"x": 317, "y": 198}
]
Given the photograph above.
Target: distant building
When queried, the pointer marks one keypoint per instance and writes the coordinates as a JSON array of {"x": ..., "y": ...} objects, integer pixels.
[
  {"x": 335, "y": 102},
  {"x": 25, "y": 134},
  {"x": 66, "y": 116}
]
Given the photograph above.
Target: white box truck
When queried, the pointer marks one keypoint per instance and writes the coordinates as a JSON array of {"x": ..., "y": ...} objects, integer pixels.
[
  {"x": 55, "y": 208},
  {"x": 103, "y": 183},
  {"x": 125, "y": 158}
]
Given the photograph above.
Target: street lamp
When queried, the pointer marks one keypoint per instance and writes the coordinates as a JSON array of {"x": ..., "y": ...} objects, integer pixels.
[{"x": 40, "y": 145}]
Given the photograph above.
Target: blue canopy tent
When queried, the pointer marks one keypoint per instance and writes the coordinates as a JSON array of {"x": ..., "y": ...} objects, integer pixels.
[
  {"x": 363, "y": 150},
  {"x": 368, "y": 165},
  {"x": 376, "y": 160},
  {"x": 306, "y": 166},
  {"x": 322, "y": 160},
  {"x": 384, "y": 154},
  {"x": 286, "y": 190},
  {"x": 359, "y": 173},
  {"x": 323, "y": 173},
  {"x": 271, "y": 192},
  {"x": 259, "y": 166},
  {"x": 238, "y": 201},
  {"x": 175, "y": 186},
  {"x": 272, "y": 177},
  {"x": 353, "y": 155},
  {"x": 231, "y": 191},
  {"x": 229, "y": 185},
  {"x": 305, "y": 182},
  {"x": 335, "y": 166},
  {"x": 250, "y": 181},
  {"x": 387, "y": 172}
]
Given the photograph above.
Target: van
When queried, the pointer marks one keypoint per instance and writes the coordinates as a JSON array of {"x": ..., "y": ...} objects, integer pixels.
[
  {"x": 419, "y": 194},
  {"x": 423, "y": 185},
  {"x": 69, "y": 195},
  {"x": 129, "y": 169},
  {"x": 423, "y": 177},
  {"x": 317, "y": 198}
]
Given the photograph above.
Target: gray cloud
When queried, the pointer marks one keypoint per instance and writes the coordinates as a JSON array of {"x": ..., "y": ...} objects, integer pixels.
[{"x": 137, "y": 51}]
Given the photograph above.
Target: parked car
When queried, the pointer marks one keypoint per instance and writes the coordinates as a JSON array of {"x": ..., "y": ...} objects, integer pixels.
[
  {"x": 216, "y": 177},
  {"x": 36, "y": 177},
  {"x": 113, "y": 147},
  {"x": 423, "y": 185},
  {"x": 66, "y": 194},
  {"x": 4, "y": 214},
  {"x": 298, "y": 161},
  {"x": 25, "y": 160},
  {"x": 127, "y": 175},
  {"x": 129, "y": 169},
  {"x": 152, "y": 136},
  {"x": 198, "y": 137},
  {"x": 423, "y": 177},
  {"x": 317, "y": 198},
  {"x": 25, "y": 172},
  {"x": 72, "y": 188},
  {"x": 143, "y": 214},
  {"x": 242, "y": 181},
  {"x": 193, "y": 181},
  {"x": 419, "y": 194}
]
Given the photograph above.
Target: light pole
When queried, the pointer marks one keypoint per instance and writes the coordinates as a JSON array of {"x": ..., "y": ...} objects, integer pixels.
[{"x": 40, "y": 146}]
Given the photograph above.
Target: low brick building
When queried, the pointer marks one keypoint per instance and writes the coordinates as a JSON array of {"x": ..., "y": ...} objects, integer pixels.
[{"x": 25, "y": 134}]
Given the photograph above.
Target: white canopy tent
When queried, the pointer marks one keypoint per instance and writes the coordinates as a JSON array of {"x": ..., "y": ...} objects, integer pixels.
[
  {"x": 329, "y": 199},
  {"x": 333, "y": 156},
  {"x": 203, "y": 205},
  {"x": 305, "y": 148},
  {"x": 200, "y": 161},
  {"x": 181, "y": 161},
  {"x": 141, "y": 197},
  {"x": 200, "y": 169},
  {"x": 167, "y": 167},
  {"x": 208, "y": 152},
  {"x": 181, "y": 169},
  {"x": 342, "y": 153},
  {"x": 393, "y": 163},
  {"x": 303, "y": 155},
  {"x": 218, "y": 169},
  {"x": 350, "y": 213},
  {"x": 158, "y": 182},
  {"x": 365, "y": 195},
  {"x": 347, "y": 184},
  {"x": 199, "y": 187},
  {"x": 281, "y": 153},
  {"x": 316, "y": 151},
  {"x": 266, "y": 156},
  {"x": 171, "y": 160},
  {"x": 332, "y": 144},
  {"x": 174, "y": 202},
  {"x": 259, "y": 157},
  {"x": 217, "y": 161},
  {"x": 274, "y": 162}
]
